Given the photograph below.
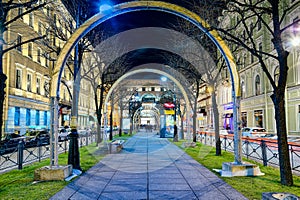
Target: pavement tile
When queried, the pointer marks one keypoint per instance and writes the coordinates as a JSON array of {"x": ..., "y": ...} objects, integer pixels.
[
  {"x": 166, "y": 180},
  {"x": 148, "y": 166},
  {"x": 169, "y": 186},
  {"x": 66, "y": 192},
  {"x": 132, "y": 195},
  {"x": 84, "y": 195},
  {"x": 126, "y": 187},
  {"x": 164, "y": 195}
]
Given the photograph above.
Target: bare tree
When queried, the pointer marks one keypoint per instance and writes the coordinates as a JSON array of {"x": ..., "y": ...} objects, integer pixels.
[
  {"x": 271, "y": 17},
  {"x": 101, "y": 75}
]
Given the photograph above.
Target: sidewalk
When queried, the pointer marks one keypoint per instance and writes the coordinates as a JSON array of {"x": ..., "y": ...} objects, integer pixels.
[{"x": 148, "y": 167}]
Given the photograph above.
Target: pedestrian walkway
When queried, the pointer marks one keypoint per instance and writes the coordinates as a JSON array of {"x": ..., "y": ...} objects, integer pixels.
[{"x": 148, "y": 167}]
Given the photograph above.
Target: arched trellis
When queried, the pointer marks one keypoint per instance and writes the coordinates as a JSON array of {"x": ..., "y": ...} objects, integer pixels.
[
  {"x": 155, "y": 71},
  {"x": 133, "y": 7},
  {"x": 154, "y": 111}
]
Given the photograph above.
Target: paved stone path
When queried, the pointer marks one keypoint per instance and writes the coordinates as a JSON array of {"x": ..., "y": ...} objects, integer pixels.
[{"x": 148, "y": 167}]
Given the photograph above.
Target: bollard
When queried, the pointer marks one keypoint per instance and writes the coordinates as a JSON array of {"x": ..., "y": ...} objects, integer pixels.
[
  {"x": 87, "y": 138},
  {"x": 264, "y": 152},
  {"x": 20, "y": 154},
  {"x": 225, "y": 141},
  {"x": 247, "y": 148},
  {"x": 39, "y": 150},
  {"x": 73, "y": 156}
]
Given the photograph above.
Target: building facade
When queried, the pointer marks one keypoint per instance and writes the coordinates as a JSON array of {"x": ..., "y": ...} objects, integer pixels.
[{"x": 29, "y": 68}]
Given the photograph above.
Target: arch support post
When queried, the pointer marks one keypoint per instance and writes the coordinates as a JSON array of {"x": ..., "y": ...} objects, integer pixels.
[
  {"x": 237, "y": 131},
  {"x": 53, "y": 131}
]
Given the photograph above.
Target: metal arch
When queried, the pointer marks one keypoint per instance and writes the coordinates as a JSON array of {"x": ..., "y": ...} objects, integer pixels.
[
  {"x": 139, "y": 6},
  {"x": 156, "y": 71},
  {"x": 134, "y": 6}
]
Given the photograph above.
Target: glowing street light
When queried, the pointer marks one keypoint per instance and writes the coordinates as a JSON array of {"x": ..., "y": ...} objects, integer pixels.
[{"x": 105, "y": 8}]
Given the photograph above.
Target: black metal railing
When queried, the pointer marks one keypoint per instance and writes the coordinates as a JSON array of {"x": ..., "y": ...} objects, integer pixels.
[
  {"x": 261, "y": 150},
  {"x": 17, "y": 157}
]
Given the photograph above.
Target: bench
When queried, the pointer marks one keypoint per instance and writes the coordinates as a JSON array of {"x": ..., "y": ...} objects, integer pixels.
[{"x": 116, "y": 146}]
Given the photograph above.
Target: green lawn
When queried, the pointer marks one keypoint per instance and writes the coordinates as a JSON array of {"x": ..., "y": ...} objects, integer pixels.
[
  {"x": 19, "y": 184},
  {"x": 251, "y": 187}
]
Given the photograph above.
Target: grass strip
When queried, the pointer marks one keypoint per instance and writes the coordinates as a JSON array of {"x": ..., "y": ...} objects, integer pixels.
[
  {"x": 18, "y": 184},
  {"x": 250, "y": 187}
]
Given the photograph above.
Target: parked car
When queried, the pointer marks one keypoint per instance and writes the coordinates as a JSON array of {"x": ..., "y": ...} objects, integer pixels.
[
  {"x": 10, "y": 142},
  {"x": 38, "y": 137},
  {"x": 254, "y": 132},
  {"x": 224, "y": 132},
  {"x": 63, "y": 133}
]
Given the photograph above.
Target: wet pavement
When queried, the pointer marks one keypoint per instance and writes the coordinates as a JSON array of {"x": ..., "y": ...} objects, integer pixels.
[{"x": 148, "y": 167}]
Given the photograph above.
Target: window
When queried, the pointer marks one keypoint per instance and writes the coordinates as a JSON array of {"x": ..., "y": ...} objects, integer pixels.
[
  {"x": 152, "y": 89},
  {"x": 19, "y": 41},
  {"x": 251, "y": 58},
  {"x": 28, "y": 116},
  {"x": 38, "y": 55},
  {"x": 37, "y": 118},
  {"x": 244, "y": 119},
  {"x": 48, "y": 11},
  {"x": 47, "y": 57},
  {"x": 45, "y": 118},
  {"x": 29, "y": 82},
  {"x": 40, "y": 28},
  {"x": 143, "y": 89},
  {"x": 17, "y": 116},
  {"x": 30, "y": 50},
  {"x": 257, "y": 85},
  {"x": 20, "y": 12},
  {"x": 243, "y": 89},
  {"x": 258, "y": 117},
  {"x": 30, "y": 19},
  {"x": 260, "y": 49},
  {"x": 259, "y": 24},
  {"x": 18, "y": 78},
  {"x": 276, "y": 75},
  {"x": 38, "y": 85},
  {"x": 46, "y": 88}
]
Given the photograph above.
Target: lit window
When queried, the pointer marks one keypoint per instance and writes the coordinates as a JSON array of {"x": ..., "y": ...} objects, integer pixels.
[
  {"x": 28, "y": 116},
  {"x": 17, "y": 116},
  {"x": 37, "y": 118}
]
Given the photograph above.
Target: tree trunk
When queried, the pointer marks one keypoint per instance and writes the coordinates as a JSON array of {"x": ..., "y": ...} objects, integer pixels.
[
  {"x": 195, "y": 122},
  {"x": 121, "y": 117},
  {"x": 181, "y": 130},
  {"x": 2, "y": 98},
  {"x": 286, "y": 175},
  {"x": 216, "y": 124}
]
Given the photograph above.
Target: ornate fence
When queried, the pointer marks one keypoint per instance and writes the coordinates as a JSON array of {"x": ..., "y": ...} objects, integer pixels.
[
  {"x": 19, "y": 156},
  {"x": 262, "y": 150}
]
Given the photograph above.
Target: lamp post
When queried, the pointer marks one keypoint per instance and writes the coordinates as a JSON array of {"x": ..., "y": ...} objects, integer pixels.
[
  {"x": 175, "y": 139},
  {"x": 134, "y": 104}
]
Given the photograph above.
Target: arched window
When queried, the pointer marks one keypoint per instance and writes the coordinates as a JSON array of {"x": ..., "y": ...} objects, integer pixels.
[
  {"x": 257, "y": 85},
  {"x": 276, "y": 75}
]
